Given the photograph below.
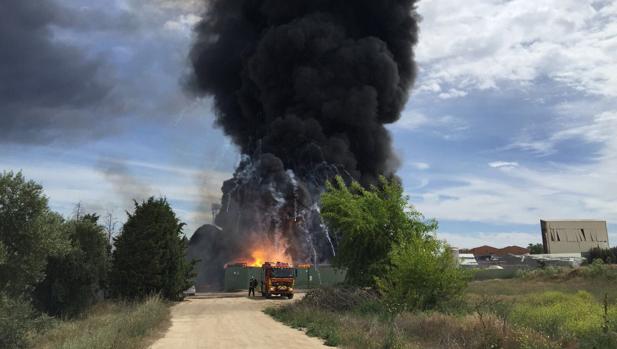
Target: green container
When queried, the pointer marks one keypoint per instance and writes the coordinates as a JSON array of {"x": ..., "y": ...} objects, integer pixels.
[
  {"x": 237, "y": 277},
  {"x": 323, "y": 275}
]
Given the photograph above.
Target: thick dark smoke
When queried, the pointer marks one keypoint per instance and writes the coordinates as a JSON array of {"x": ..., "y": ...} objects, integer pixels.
[
  {"x": 44, "y": 85},
  {"x": 304, "y": 88}
]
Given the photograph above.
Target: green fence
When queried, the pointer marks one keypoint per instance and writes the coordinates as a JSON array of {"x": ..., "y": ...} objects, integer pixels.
[{"x": 237, "y": 277}]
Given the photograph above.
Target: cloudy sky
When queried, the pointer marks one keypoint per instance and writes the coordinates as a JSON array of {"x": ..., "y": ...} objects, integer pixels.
[{"x": 512, "y": 118}]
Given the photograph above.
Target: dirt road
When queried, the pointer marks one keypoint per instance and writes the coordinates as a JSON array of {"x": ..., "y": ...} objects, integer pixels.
[{"x": 230, "y": 322}]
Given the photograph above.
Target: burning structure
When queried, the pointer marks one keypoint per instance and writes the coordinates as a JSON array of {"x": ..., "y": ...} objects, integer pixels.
[{"x": 305, "y": 89}]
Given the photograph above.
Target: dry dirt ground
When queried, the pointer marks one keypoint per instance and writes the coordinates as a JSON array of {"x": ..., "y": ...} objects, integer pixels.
[{"x": 230, "y": 321}]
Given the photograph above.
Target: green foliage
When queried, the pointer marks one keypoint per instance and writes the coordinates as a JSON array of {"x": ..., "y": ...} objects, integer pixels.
[
  {"x": 4, "y": 254},
  {"x": 423, "y": 273},
  {"x": 29, "y": 234},
  {"x": 385, "y": 243},
  {"x": 18, "y": 321},
  {"x": 535, "y": 248},
  {"x": 73, "y": 281},
  {"x": 369, "y": 223},
  {"x": 108, "y": 326},
  {"x": 150, "y": 254},
  {"x": 340, "y": 299},
  {"x": 316, "y": 322},
  {"x": 608, "y": 256},
  {"x": 569, "y": 317}
]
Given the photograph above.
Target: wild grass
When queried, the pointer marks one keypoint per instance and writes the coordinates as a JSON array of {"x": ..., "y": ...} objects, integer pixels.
[
  {"x": 597, "y": 279},
  {"x": 108, "y": 325},
  {"x": 554, "y": 309}
]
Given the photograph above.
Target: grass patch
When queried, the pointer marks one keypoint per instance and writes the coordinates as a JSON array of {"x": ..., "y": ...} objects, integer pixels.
[
  {"x": 108, "y": 325},
  {"x": 543, "y": 310}
]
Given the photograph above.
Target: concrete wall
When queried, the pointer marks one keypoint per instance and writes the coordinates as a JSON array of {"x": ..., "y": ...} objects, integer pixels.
[{"x": 573, "y": 236}]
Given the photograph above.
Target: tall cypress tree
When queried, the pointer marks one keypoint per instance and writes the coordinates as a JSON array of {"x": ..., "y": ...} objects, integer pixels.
[{"x": 149, "y": 255}]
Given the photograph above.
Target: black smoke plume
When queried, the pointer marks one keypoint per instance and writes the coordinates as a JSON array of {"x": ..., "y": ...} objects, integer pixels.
[{"x": 304, "y": 88}]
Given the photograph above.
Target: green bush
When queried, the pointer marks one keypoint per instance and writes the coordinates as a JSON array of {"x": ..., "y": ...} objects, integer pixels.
[
  {"x": 73, "y": 281},
  {"x": 598, "y": 269},
  {"x": 339, "y": 299},
  {"x": 423, "y": 274},
  {"x": 543, "y": 273},
  {"x": 607, "y": 255},
  {"x": 18, "y": 322}
]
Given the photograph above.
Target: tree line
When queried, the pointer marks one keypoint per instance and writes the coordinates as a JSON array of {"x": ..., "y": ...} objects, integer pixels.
[{"x": 56, "y": 267}]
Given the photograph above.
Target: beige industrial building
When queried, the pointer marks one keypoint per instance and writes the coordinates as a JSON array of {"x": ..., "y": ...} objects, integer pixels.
[{"x": 573, "y": 236}]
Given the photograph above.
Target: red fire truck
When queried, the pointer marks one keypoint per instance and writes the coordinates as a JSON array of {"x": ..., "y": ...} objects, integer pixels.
[{"x": 277, "y": 279}]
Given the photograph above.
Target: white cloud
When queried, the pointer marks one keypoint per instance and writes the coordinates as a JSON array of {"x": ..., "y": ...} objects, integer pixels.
[
  {"x": 525, "y": 195},
  {"x": 503, "y": 164},
  {"x": 487, "y": 44},
  {"x": 423, "y": 166},
  {"x": 452, "y": 93},
  {"x": 484, "y": 42},
  {"x": 411, "y": 120},
  {"x": 183, "y": 24},
  {"x": 498, "y": 240},
  {"x": 447, "y": 126},
  {"x": 192, "y": 190}
]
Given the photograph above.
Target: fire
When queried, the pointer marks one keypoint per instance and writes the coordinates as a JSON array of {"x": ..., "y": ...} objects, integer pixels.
[{"x": 263, "y": 254}]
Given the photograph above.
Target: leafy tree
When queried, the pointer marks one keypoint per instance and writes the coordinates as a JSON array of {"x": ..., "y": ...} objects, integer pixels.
[
  {"x": 149, "y": 255},
  {"x": 385, "y": 243},
  {"x": 29, "y": 234},
  {"x": 368, "y": 223},
  {"x": 535, "y": 248},
  {"x": 74, "y": 280}
]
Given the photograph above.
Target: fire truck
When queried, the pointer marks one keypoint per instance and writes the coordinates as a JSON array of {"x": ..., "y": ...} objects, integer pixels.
[{"x": 277, "y": 279}]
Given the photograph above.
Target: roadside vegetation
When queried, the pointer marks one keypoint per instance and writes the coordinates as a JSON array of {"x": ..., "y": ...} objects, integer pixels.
[
  {"x": 64, "y": 284},
  {"x": 405, "y": 291},
  {"x": 560, "y": 308},
  {"x": 108, "y": 325}
]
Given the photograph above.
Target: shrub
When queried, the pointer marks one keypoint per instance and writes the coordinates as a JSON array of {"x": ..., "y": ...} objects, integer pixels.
[
  {"x": 150, "y": 254},
  {"x": 423, "y": 274},
  {"x": 18, "y": 321},
  {"x": 339, "y": 299},
  {"x": 72, "y": 281},
  {"x": 549, "y": 272},
  {"x": 608, "y": 256}
]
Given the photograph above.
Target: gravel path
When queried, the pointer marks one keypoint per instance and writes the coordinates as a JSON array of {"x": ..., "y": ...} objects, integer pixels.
[{"x": 230, "y": 322}]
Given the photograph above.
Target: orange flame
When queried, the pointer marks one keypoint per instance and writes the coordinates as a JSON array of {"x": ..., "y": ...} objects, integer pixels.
[{"x": 263, "y": 254}]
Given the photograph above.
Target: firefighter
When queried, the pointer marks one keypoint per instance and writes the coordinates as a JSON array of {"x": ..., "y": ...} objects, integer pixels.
[{"x": 252, "y": 285}]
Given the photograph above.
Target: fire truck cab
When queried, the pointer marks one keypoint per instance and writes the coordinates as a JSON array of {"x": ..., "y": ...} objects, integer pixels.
[{"x": 277, "y": 279}]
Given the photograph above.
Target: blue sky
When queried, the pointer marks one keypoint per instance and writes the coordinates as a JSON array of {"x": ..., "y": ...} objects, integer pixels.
[{"x": 512, "y": 118}]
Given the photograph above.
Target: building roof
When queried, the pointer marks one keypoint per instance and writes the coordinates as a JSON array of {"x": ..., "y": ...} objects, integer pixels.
[{"x": 490, "y": 250}]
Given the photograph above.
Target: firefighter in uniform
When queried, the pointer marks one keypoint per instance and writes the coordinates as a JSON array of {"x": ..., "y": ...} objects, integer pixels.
[{"x": 252, "y": 285}]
